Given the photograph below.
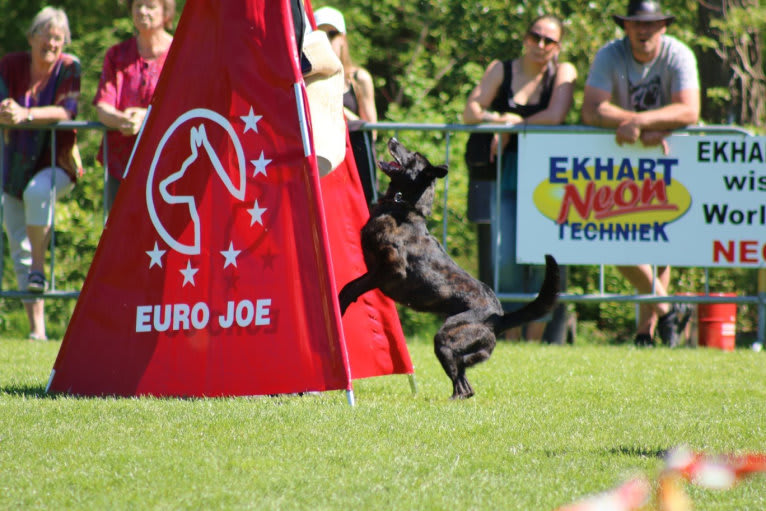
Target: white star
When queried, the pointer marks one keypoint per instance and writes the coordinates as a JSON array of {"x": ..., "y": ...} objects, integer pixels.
[
  {"x": 260, "y": 165},
  {"x": 251, "y": 121},
  {"x": 156, "y": 256},
  {"x": 188, "y": 274},
  {"x": 230, "y": 255},
  {"x": 256, "y": 213}
]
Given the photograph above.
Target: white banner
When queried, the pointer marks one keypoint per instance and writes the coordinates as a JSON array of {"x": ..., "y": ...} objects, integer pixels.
[{"x": 586, "y": 200}]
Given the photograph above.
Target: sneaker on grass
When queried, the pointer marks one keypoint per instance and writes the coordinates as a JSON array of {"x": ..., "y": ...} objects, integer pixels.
[{"x": 671, "y": 325}]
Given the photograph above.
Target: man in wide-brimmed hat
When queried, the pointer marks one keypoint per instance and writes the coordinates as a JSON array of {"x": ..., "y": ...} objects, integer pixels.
[{"x": 645, "y": 85}]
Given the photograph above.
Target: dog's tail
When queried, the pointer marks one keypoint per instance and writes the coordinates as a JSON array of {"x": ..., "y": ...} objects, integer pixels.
[{"x": 541, "y": 305}]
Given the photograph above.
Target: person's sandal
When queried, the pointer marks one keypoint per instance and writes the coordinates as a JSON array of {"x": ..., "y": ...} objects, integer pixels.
[
  {"x": 644, "y": 341},
  {"x": 36, "y": 282}
]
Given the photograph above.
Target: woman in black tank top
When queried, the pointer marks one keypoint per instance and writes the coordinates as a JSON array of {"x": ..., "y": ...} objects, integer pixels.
[{"x": 534, "y": 88}]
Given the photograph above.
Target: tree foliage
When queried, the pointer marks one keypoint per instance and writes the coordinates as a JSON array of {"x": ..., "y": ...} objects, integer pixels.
[
  {"x": 425, "y": 57},
  {"x": 95, "y": 25},
  {"x": 738, "y": 28}
]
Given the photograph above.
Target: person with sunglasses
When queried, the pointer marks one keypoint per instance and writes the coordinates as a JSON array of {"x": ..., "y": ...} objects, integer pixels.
[
  {"x": 535, "y": 88},
  {"x": 645, "y": 85}
]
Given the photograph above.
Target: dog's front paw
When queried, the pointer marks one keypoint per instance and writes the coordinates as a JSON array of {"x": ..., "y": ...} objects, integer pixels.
[
  {"x": 344, "y": 300},
  {"x": 347, "y": 296}
]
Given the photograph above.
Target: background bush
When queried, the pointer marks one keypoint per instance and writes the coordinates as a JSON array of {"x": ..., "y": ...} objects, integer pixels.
[{"x": 425, "y": 57}]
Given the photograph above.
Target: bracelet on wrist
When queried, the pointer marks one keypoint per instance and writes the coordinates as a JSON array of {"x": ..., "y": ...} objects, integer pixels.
[{"x": 30, "y": 117}]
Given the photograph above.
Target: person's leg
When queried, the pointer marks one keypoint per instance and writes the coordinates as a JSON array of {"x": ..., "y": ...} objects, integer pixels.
[
  {"x": 18, "y": 246},
  {"x": 642, "y": 277},
  {"x": 671, "y": 324},
  {"x": 663, "y": 277},
  {"x": 39, "y": 236},
  {"x": 112, "y": 185},
  {"x": 481, "y": 199},
  {"x": 534, "y": 275},
  {"x": 655, "y": 311},
  {"x": 485, "y": 248},
  {"x": 38, "y": 210},
  {"x": 555, "y": 331},
  {"x": 534, "y": 330},
  {"x": 669, "y": 319},
  {"x": 36, "y": 315},
  {"x": 510, "y": 274},
  {"x": 18, "y": 243}
]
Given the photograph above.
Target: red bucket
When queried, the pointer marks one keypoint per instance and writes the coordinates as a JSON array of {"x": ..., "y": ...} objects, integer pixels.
[{"x": 717, "y": 327}]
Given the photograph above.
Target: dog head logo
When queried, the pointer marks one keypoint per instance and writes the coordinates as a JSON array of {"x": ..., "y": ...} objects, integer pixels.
[{"x": 199, "y": 147}]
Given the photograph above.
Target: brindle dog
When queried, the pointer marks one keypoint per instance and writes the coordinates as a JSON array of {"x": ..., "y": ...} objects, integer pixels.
[{"x": 410, "y": 266}]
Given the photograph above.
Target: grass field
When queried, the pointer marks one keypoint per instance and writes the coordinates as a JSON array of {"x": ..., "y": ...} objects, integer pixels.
[{"x": 548, "y": 426}]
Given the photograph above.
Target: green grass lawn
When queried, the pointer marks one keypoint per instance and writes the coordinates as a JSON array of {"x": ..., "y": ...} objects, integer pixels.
[{"x": 548, "y": 426}]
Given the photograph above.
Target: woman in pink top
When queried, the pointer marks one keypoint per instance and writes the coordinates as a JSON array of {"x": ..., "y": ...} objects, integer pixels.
[{"x": 128, "y": 79}]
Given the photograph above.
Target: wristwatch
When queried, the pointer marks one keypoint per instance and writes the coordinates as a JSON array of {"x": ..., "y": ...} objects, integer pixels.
[{"x": 30, "y": 117}]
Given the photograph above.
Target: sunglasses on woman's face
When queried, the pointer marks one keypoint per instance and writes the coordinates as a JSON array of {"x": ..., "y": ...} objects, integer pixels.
[
  {"x": 536, "y": 38},
  {"x": 332, "y": 34}
]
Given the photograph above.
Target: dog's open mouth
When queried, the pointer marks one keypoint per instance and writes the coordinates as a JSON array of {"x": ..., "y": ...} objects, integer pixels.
[{"x": 390, "y": 167}]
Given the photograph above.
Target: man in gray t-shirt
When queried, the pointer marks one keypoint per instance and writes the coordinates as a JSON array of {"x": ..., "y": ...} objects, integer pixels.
[
  {"x": 644, "y": 86},
  {"x": 641, "y": 86}
]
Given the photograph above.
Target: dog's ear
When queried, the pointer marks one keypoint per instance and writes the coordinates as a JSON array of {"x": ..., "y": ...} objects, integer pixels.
[{"x": 438, "y": 170}]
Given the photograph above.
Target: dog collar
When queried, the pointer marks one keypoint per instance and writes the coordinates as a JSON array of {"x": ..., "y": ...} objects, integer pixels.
[{"x": 401, "y": 202}]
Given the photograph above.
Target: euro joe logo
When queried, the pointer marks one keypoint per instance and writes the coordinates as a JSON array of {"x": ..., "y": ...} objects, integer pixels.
[{"x": 612, "y": 199}]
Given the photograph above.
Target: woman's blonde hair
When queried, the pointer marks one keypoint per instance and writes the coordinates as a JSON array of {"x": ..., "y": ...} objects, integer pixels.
[
  {"x": 345, "y": 58},
  {"x": 51, "y": 17}
]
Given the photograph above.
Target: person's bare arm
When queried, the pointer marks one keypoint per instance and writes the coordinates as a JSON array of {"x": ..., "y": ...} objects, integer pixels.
[
  {"x": 367, "y": 110},
  {"x": 683, "y": 111},
  {"x": 598, "y": 110},
  {"x": 650, "y": 126},
  {"x": 366, "y": 97},
  {"x": 477, "y": 106},
  {"x": 128, "y": 122},
  {"x": 12, "y": 113}
]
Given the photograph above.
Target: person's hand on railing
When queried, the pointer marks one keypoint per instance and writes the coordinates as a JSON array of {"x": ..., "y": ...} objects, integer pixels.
[
  {"x": 127, "y": 122},
  {"x": 11, "y": 113},
  {"x": 630, "y": 131},
  {"x": 656, "y": 137},
  {"x": 509, "y": 119},
  {"x": 134, "y": 118}
]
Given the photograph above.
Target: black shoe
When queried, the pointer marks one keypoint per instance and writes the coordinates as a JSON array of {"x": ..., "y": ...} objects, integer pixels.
[
  {"x": 644, "y": 341},
  {"x": 673, "y": 323},
  {"x": 36, "y": 282}
]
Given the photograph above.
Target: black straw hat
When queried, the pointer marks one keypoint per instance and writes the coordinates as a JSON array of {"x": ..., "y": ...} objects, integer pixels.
[{"x": 643, "y": 10}]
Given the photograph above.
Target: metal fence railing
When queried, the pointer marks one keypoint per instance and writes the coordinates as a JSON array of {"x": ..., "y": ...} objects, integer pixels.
[
  {"x": 448, "y": 130},
  {"x": 53, "y": 291}
]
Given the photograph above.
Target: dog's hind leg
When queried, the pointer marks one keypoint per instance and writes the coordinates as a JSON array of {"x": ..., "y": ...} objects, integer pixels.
[
  {"x": 461, "y": 343},
  {"x": 354, "y": 290}
]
